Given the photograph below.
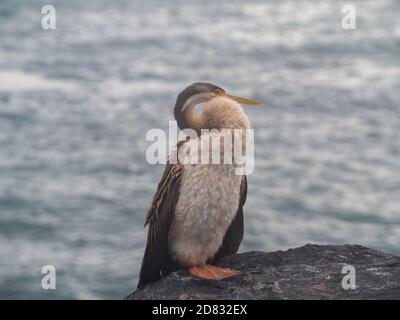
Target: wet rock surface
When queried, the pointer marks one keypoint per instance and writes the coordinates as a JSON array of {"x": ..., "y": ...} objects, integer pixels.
[{"x": 307, "y": 272}]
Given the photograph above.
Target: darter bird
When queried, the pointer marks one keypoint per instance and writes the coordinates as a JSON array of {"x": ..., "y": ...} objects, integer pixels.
[{"x": 196, "y": 216}]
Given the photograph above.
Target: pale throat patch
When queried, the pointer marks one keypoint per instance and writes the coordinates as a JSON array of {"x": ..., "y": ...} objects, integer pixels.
[{"x": 196, "y": 99}]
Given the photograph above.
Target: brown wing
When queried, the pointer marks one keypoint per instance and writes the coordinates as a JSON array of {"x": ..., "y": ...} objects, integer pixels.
[
  {"x": 157, "y": 261},
  {"x": 234, "y": 234}
]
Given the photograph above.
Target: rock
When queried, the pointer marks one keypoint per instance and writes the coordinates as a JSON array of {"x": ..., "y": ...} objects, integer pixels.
[{"x": 308, "y": 272}]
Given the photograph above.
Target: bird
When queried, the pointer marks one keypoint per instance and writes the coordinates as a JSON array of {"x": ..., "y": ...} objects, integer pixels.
[{"x": 196, "y": 216}]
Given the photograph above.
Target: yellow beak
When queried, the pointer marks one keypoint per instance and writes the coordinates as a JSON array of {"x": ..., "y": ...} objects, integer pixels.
[{"x": 241, "y": 100}]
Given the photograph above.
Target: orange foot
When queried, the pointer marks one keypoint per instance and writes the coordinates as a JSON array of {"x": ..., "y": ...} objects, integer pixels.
[{"x": 207, "y": 271}]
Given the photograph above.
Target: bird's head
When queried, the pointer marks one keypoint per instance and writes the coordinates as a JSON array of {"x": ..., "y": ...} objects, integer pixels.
[{"x": 201, "y": 92}]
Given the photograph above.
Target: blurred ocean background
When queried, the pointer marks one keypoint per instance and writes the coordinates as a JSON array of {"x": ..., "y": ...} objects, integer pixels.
[{"x": 76, "y": 104}]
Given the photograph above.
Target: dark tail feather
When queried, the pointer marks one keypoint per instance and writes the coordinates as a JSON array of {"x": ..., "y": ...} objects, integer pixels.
[
  {"x": 150, "y": 271},
  {"x": 156, "y": 261}
]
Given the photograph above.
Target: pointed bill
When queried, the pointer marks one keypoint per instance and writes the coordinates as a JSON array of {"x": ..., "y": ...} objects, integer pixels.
[{"x": 242, "y": 100}]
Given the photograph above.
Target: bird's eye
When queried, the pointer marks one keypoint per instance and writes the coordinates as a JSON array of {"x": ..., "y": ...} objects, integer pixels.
[{"x": 218, "y": 91}]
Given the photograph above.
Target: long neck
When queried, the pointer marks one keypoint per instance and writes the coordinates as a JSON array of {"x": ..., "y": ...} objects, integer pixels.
[
  {"x": 219, "y": 113},
  {"x": 193, "y": 121},
  {"x": 223, "y": 113},
  {"x": 188, "y": 120}
]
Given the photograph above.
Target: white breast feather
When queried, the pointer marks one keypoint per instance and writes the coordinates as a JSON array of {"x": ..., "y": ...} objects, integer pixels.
[{"x": 208, "y": 201}]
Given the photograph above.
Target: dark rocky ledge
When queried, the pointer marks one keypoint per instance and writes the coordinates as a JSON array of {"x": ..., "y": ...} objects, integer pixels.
[{"x": 308, "y": 272}]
